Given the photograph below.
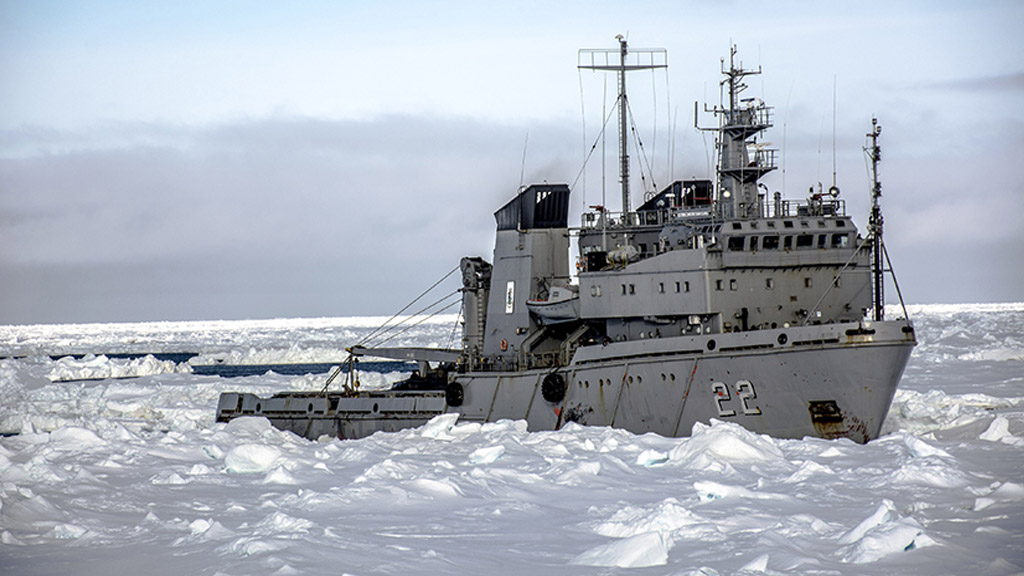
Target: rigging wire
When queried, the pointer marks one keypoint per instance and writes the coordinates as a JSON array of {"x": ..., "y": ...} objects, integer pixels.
[
  {"x": 670, "y": 146},
  {"x": 654, "y": 135},
  {"x": 604, "y": 153},
  {"x": 834, "y": 76},
  {"x": 785, "y": 123},
  {"x": 381, "y": 329},
  {"x": 835, "y": 279},
  {"x": 583, "y": 122},
  {"x": 410, "y": 318},
  {"x": 455, "y": 327},
  {"x": 384, "y": 329},
  {"x": 704, "y": 135},
  {"x": 599, "y": 139},
  {"x": 892, "y": 273},
  {"x": 424, "y": 319},
  {"x": 639, "y": 146}
]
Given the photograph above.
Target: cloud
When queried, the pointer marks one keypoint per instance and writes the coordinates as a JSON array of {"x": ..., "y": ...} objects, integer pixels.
[
  {"x": 298, "y": 216},
  {"x": 1013, "y": 82},
  {"x": 197, "y": 220}
]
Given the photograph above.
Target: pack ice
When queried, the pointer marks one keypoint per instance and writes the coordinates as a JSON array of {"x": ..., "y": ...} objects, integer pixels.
[{"x": 117, "y": 464}]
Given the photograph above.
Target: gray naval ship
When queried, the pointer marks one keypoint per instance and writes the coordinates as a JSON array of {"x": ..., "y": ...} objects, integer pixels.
[{"x": 708, "y": 301}]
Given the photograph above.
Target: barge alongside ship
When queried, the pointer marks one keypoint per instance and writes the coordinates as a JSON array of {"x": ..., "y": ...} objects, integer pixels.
[{"x": 709, "y": 300}]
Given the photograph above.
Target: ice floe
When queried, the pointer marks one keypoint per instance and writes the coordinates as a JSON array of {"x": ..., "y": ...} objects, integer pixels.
[{"x": 109, "y": 471}]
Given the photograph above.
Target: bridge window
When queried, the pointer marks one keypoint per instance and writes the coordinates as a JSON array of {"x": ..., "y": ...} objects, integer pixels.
[
  {"x": 787, "y": 223},
  {"x": 805, "y": 241},
  {"x": 753, "y": 243},
  {"x": 736, "y": 243},
  {"x": 839, "y": 240},
  {"x": 770, "y": 243},
  {"x": 787, "y": 243},
  {"x": 822, "y": 240}
]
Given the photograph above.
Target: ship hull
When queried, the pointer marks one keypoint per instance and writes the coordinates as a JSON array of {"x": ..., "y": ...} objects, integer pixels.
[{"x": 829, "y": 381}]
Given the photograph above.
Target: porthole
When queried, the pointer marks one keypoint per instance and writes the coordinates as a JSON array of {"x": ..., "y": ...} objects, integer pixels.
[{"x": 712, "y": 344}]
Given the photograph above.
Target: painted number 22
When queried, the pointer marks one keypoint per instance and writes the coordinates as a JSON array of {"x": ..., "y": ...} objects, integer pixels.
[{"x": 745, "y": 393}]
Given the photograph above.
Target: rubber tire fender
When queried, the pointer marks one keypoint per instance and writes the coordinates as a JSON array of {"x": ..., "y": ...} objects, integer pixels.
[
  {"x": 454, "y": 394},
  {"x": 553, "y": 388}
]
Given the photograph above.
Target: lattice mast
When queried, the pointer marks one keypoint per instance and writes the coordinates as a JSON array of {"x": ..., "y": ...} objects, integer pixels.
[
  {"x": 874, "y": 152},
  {"x": 628, "y": 61}
]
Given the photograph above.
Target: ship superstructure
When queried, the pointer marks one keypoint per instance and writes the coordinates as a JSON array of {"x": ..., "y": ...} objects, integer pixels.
[{"x": 709, "y": 300}]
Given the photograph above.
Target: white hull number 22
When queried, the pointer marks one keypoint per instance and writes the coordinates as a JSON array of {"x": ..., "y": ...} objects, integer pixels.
[{"x": 745, "y": 393}]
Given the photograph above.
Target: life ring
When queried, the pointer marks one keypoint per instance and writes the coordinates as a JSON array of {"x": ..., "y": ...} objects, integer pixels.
[{"x": 504, "y": 345}]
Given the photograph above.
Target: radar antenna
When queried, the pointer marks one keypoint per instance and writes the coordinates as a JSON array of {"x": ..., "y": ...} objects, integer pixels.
[
  {"x": 628, "y": 61},
  {"x": 742, "y": 161}
]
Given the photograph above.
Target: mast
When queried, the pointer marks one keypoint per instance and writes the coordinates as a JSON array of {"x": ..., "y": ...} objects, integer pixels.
[
  {"x": 742, "y": 160},
  {"x": 623, "y": 144},
  {"x": 628, "y": 61},
  {"x": 874, "y": 152}
]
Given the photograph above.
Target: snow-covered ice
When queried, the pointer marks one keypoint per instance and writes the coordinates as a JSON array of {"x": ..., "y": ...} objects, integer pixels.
[{"x": 134, "y": 475}]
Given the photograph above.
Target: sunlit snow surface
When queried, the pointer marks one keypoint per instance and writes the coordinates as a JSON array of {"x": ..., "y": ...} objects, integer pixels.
[{"x": 133, "y": 475}]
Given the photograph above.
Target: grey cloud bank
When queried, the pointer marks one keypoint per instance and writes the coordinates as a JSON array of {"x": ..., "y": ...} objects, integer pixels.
[
  {"x": 303, "y": 217},
  {"x": 186, "y": 162},
  {"x": 282, "y": 217}
]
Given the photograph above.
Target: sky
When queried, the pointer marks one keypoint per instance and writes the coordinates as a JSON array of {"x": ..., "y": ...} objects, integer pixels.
[{"x": 229, "y": 160}]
